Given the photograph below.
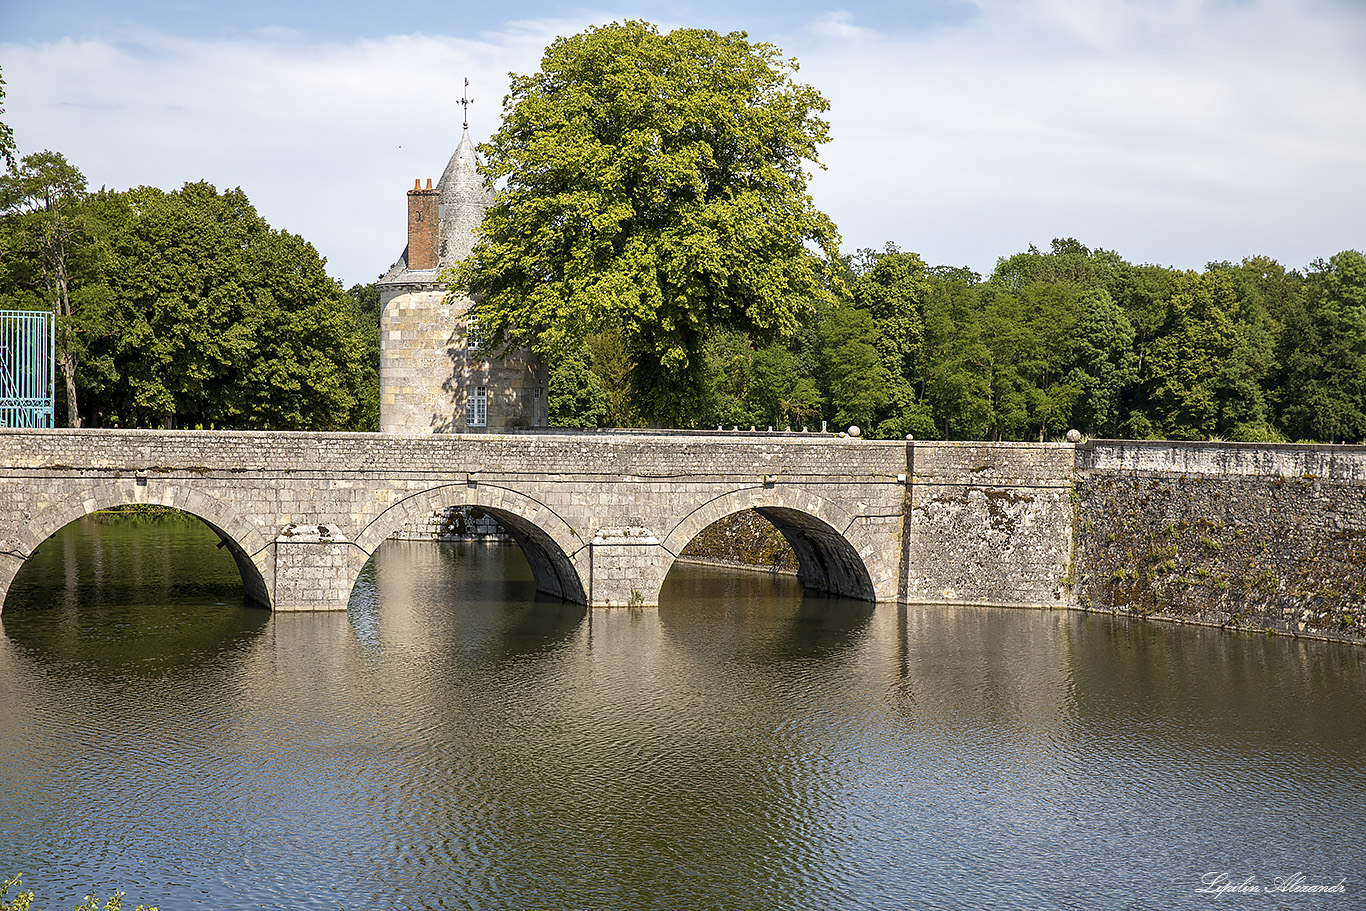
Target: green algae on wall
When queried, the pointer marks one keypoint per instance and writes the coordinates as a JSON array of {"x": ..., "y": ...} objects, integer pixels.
[{"x": 1268, "y": 553}]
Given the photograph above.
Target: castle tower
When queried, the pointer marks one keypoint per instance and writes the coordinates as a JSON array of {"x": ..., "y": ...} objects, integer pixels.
[{"x": 432, "y": 376}]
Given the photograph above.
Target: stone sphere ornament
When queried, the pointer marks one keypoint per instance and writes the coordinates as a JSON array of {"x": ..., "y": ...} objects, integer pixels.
[
  {"x": 854, "y": 431},
  {"x": 1074, "y": 436}
]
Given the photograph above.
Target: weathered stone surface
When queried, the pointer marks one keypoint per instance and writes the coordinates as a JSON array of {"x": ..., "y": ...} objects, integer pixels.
[
  {"x": 601, "y": 516},
  {"x": 458, "y": 523},
  {"x": 743, "y": 539},
  {"x": 1261, "y": 537},
  {"x": 1271, "y": 537},
  {"x": 989, "y": 523}
]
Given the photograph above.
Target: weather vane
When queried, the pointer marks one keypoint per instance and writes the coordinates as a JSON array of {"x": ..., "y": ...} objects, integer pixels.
[{"x": 466, "y": 101}]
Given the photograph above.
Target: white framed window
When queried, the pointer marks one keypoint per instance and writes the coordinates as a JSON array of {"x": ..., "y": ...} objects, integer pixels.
[{"x": 476, "y": 406}]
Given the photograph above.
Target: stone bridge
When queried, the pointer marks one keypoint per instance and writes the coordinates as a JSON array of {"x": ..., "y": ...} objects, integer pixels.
[{"x": 601, "y": 517}]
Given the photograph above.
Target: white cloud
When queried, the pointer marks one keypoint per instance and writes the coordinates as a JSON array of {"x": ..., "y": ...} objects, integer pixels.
[
  {"x": 839, "y": 25},
  {"x": 1175, "y": 131},
  {"x": 324, "y": 138}
]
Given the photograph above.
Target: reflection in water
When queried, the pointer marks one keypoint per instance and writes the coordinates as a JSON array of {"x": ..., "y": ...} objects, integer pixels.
[{"x": 452, "y": 741}]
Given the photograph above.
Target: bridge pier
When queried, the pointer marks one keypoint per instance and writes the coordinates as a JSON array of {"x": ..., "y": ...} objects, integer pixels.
[
  {"x": 626, "y": 568},
  {"x": 314, "y": 568}
]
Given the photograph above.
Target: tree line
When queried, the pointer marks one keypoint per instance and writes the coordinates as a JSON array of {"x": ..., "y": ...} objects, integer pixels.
[
  {"x": 1050, "y": 340},
  {"x": 653, "y": 240},
  {"x": 655, "y": 245},
  {"x": 184, "y": 308}
]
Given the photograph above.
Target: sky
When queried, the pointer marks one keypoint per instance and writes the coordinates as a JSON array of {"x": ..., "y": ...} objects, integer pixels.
[{"x": 1176, "y": 132}]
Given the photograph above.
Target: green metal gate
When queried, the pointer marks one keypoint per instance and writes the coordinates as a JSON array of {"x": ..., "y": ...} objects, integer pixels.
[{"x": 28, "y": 357}]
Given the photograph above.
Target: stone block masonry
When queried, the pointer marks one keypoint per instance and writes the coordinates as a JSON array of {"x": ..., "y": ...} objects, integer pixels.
[
  {"x": 1256, "y": 537},
  {"x": 601, "y": 517},
  {"x": 1262, "y": 537},
  {"x": 990, "y": 523}
]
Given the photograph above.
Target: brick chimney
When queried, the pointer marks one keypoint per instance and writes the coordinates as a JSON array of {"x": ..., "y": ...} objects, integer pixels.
[{"x": 424, "y": 225}]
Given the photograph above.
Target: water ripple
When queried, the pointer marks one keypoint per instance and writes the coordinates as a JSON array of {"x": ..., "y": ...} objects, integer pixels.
[{"x": 454, "y": 743}]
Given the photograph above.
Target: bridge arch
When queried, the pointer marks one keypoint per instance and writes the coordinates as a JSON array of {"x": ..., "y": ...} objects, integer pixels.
[
  {"x": 249, "y": 548},
  {"x": 553, "y": 549},
  {"x": 835, "y": 552}
]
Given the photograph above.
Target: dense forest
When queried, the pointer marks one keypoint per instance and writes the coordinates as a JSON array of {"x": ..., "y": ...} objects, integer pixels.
[
  {"x": 1055, "y": 339},
  {"x": 186, "y": 309}
]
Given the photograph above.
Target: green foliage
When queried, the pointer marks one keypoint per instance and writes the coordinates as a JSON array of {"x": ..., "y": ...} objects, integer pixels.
[
  {"x": 364, "y": 303},
  {"x": 859, "y": 384},
  {"x": 957, "y": 379},
  {"x": 8, "y": 150},
  {"x": 655, "y": 190},
  {"x": 1103, "y": 363},
  {"x": 1028, "y": 333},
  {"x": 113, "y": 903},
  {"x": 1206, "y": 368},
  {"x": 893, "y": 290},
  {"x": 578, "y": 396},
  {"x": 1068, "y": 262},
  {"x": 49, "y": 246},
  {"x": 184, "y": 308},
  {"x": 612, "y": 365},
  {"x": 224, "y": 322},
  {"x": 760, "y": 388},
  {"x": 23, "y": 900},
  {"x": 730, "y": 362},
  {"x": 19, "y": 902},
  {"x": 783, "y": 396},
  {"x": 1321, "y": 387}
]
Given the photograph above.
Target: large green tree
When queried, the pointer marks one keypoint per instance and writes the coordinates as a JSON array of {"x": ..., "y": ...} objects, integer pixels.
[
  {"x": 1104, "y": 365},
  {"x": 858, "y": 385},
  {"x": 1203, "y": 368},
  {"x": 891, "y": 285},
  {"x": 653, "y": 188},
  {"x": 1322, "y": 382},
  {"x": 225, "y": 322}
]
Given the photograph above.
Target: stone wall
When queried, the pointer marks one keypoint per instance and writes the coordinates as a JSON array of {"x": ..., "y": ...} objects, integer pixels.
[
  {"x": 1266, "y": 537},
  {"x": 989, "y": 523},
  {"x": 421, "y": 376},
  {"x": 743, "y": 539},
  {"x": 455, "y": 523},
  {"x": 1260, "y": 537},
  {"x": 601, "y": 516}
]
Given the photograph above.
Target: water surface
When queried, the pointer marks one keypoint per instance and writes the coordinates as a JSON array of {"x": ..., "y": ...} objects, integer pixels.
[{"x": 454, "y": 742}]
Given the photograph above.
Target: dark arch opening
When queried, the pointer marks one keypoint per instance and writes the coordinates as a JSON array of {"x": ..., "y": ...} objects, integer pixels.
[
  {"x": 825, "y": 561},
  {"x": 551, "y": 568},
  {"x": 254, "y": 590}
]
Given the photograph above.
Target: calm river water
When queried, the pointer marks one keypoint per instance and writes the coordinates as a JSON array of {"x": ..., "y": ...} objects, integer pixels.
[{"x": 453, "y": 742}]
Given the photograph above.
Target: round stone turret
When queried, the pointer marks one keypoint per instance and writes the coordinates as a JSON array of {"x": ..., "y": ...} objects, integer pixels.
[{"x": 432, "y": 377}]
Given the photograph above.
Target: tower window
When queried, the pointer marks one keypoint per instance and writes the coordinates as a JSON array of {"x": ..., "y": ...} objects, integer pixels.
[
  {"x": 474, "y": 335},
  {"x": 477, "y": 406}
]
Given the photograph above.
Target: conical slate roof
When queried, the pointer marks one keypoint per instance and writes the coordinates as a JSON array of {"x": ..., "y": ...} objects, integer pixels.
[{"x": 463, "y": 200}]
